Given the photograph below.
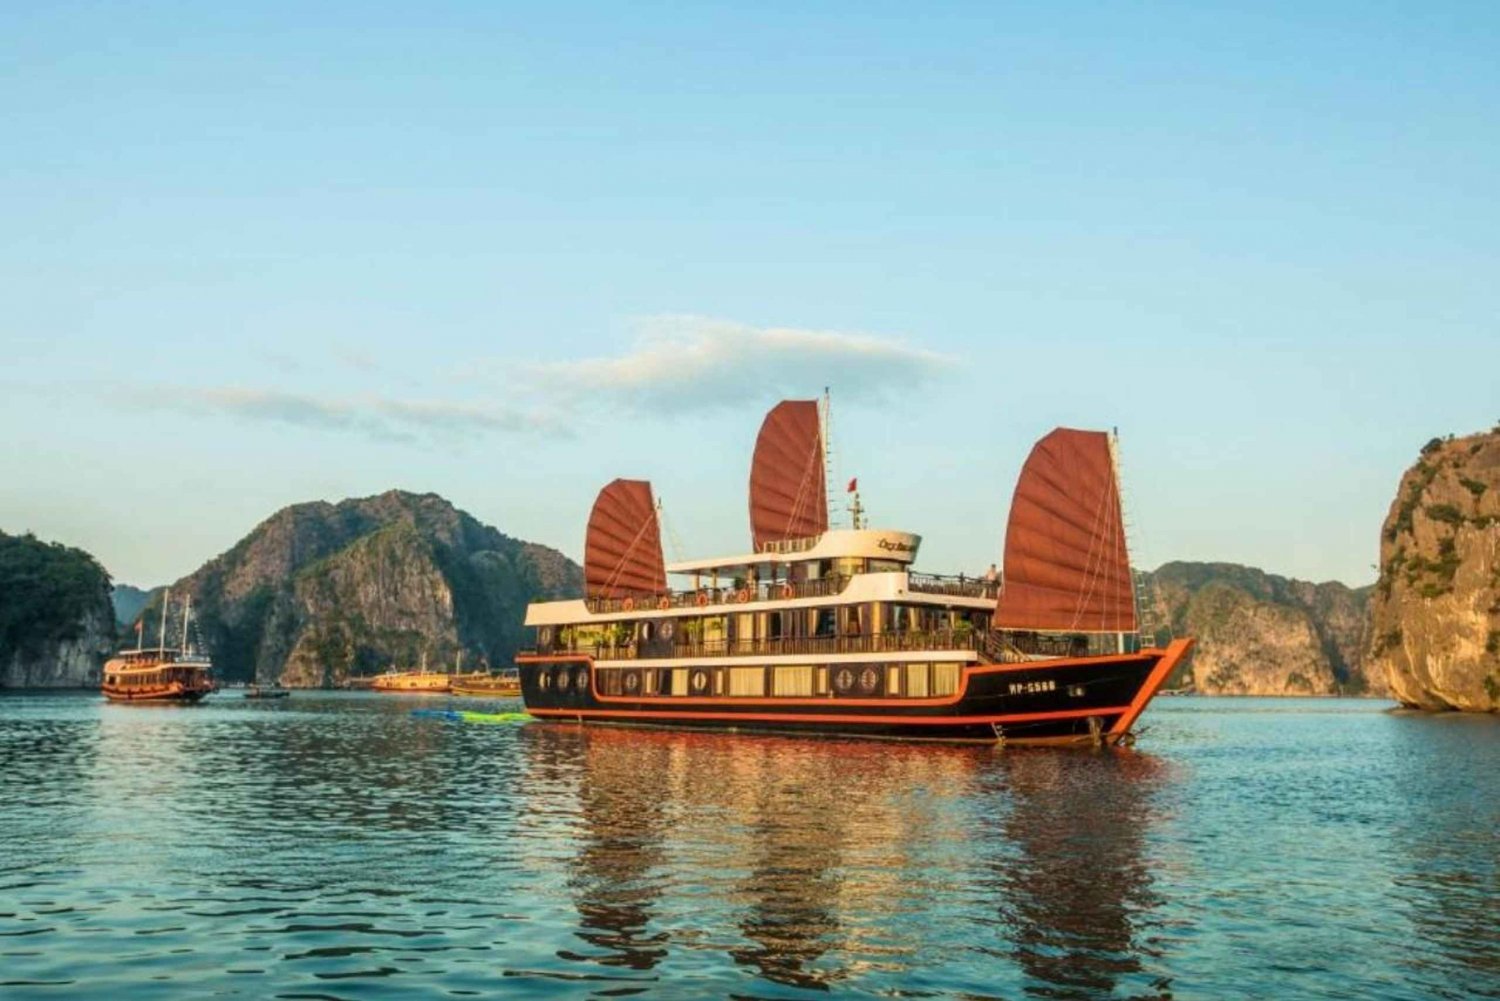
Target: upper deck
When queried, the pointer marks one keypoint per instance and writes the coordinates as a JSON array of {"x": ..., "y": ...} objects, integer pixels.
[{"x": 840, "y": 566}]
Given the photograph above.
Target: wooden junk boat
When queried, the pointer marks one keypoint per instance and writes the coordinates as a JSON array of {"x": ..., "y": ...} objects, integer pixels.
[
  {"x": 505, "y": 685},
  {"x": 420, "y": 681},
  {"x": 165, "y": 674},
  {"x": 832, "y": 630}
]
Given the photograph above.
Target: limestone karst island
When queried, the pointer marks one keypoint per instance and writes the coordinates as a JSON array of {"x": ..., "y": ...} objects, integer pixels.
[{"x": 325, "y": 595}]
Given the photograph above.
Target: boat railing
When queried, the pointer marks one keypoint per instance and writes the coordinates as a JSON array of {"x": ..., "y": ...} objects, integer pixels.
[
  {"x": 953, "y": 585},
  {"x": 788, "y": 546},
  {"x": 746, "y": 592},
  {"x": 896, "y": 642}
]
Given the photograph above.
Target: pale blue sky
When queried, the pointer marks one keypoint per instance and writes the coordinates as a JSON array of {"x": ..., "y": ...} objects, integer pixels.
[{"x": 283, "y": 252}]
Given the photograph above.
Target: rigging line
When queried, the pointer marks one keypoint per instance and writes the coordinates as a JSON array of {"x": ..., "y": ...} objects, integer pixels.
[
  {"x": 802, "y": 498},
  {"x": 671, "y": 531},
  {"x": 1087, "y": 591},
  {"x": 1112, "y": 539},
  {"x": 1101, "y": 537},
  {"x": 610, "y": 582}
]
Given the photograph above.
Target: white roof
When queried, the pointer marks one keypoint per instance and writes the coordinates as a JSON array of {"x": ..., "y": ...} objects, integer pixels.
[{"x": 856, "y": 543}]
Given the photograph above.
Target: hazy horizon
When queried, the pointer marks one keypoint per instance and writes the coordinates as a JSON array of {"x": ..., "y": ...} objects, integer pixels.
[{"x": 255, "y": 257}]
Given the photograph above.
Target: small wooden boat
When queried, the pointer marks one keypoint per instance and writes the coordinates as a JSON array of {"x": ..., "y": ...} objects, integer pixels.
[
  {"x": 165, "y": 674},
  {"x": 266, "y": 692},
  {"x": 505, "y": 685}
]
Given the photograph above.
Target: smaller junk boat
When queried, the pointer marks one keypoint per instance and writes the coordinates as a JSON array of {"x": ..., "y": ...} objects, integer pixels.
[
  {"x": 420, "y": 681},
  {"x": 165, "y": 674},
  {"x": 505, "y": 685}
]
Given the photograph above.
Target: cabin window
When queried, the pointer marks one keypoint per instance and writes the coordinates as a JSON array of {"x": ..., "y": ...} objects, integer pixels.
[
  {"x": 583, "y": 637},
  {"x": 852, "y": 620},
  {"x": 916, "y": 686},
  {"x": 848, "y": 566},
  {"x": 886, "y": 566},
  {"x": 679, "y": 681},
  {"x": 824, "y": 623},
  {"x": 792, "y": 681},
  {"x": 893, "y": 680},
  {"x": 944, "y": 679},
  {"x": 747, "y": 681}
]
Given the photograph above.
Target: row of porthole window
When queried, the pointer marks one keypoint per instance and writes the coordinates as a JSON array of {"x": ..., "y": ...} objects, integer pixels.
[{"x": 563, "y": 679}]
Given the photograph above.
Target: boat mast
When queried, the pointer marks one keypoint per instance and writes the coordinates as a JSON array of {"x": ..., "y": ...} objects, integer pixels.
[
  {"x": 187, "y": 614},
  {"x": 1114, "y": 468},
  {"x": 161, "y": 634},
  {"x": 826, "y": 406}
]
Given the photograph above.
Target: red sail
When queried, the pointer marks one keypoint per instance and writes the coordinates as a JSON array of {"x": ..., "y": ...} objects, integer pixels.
[
  {"x": 1066, "y": 565},
  {"x": 622, "y": 555},
  {"x": 788, "y": 498}
]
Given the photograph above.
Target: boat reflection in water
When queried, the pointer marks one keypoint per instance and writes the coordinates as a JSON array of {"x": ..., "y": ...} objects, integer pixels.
[{"x": 816, "y": 862}]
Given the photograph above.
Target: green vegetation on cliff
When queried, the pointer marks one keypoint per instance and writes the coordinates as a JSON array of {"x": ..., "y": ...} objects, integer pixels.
[
  {"x": 319, "y": 592},
  {"x": 1436, "y": 611},
  {"x": 48, "y": 594},
  {"x": 1260, "y": 633}
]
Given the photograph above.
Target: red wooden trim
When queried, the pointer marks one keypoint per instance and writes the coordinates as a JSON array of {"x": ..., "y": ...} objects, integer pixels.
[
  {"x": 1175, "y": 651},
  {"x": 947, "y": 700},
  {"x": 833, "y": 717}
]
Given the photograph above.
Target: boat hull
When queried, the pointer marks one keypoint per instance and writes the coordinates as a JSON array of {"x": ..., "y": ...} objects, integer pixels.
[
  {"x": 163, "y": 693},
  {"x": 488, "y": 691},
  {"x": 1085, "y": 700}
]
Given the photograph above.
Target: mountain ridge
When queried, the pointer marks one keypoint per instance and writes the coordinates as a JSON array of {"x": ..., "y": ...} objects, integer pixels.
[{"x": 318, "y": 592}]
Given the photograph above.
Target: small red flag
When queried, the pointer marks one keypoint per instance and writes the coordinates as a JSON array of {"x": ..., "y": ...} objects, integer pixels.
[{"x": 853, "y": 486}]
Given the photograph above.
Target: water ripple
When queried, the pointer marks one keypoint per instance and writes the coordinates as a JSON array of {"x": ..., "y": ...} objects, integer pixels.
[{"x": 336, "y": 846}]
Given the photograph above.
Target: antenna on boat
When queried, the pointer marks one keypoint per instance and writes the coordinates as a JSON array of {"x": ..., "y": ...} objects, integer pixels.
[{"x": 161, "y": 634}]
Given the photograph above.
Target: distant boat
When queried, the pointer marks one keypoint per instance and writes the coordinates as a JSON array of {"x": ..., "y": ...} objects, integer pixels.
[
  {"x": 165, "y": 674},
  {"x": 413, "y": 682},
  {"x": 507, "y": 684},
  {"x": 266, "y": 692}
]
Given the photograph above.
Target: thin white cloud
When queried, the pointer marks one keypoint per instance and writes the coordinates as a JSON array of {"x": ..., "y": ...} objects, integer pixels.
[
  {"x": 381, "y": 418},
  {"x": 682, "y": 363}
]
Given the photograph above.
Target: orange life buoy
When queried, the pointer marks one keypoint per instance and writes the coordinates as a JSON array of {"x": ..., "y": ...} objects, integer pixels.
[
  {"x": 628, "y": 605},
  {"x": 743, "y": 595},
  {"x": 789, "y": 591},
  {"x": 702, "y": 599},
  {"x": 665, "y": 603}
]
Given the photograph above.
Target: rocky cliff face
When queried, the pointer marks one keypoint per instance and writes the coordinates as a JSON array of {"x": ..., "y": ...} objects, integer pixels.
[
  {"x": 1261, "y": 634},
  {"x": 57, "y": 624},
  {"x": 319, "y": 592},
  {"x": 129, "y": 601},
  {"x": 1435, "y": 618}
]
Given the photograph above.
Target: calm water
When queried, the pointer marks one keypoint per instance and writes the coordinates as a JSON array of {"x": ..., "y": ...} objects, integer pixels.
[{"x": 334, "y": 846}]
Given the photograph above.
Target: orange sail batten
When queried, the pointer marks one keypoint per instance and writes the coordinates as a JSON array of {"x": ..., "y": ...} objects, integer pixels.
[
  {"x": 1067, "y": 567},
  {"x": 788, "y": 494},
  {"x": 622, "y": 552}
]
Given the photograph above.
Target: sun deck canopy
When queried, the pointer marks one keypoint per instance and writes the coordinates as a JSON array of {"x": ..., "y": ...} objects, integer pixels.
[{"x": 842, "y": 543}]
